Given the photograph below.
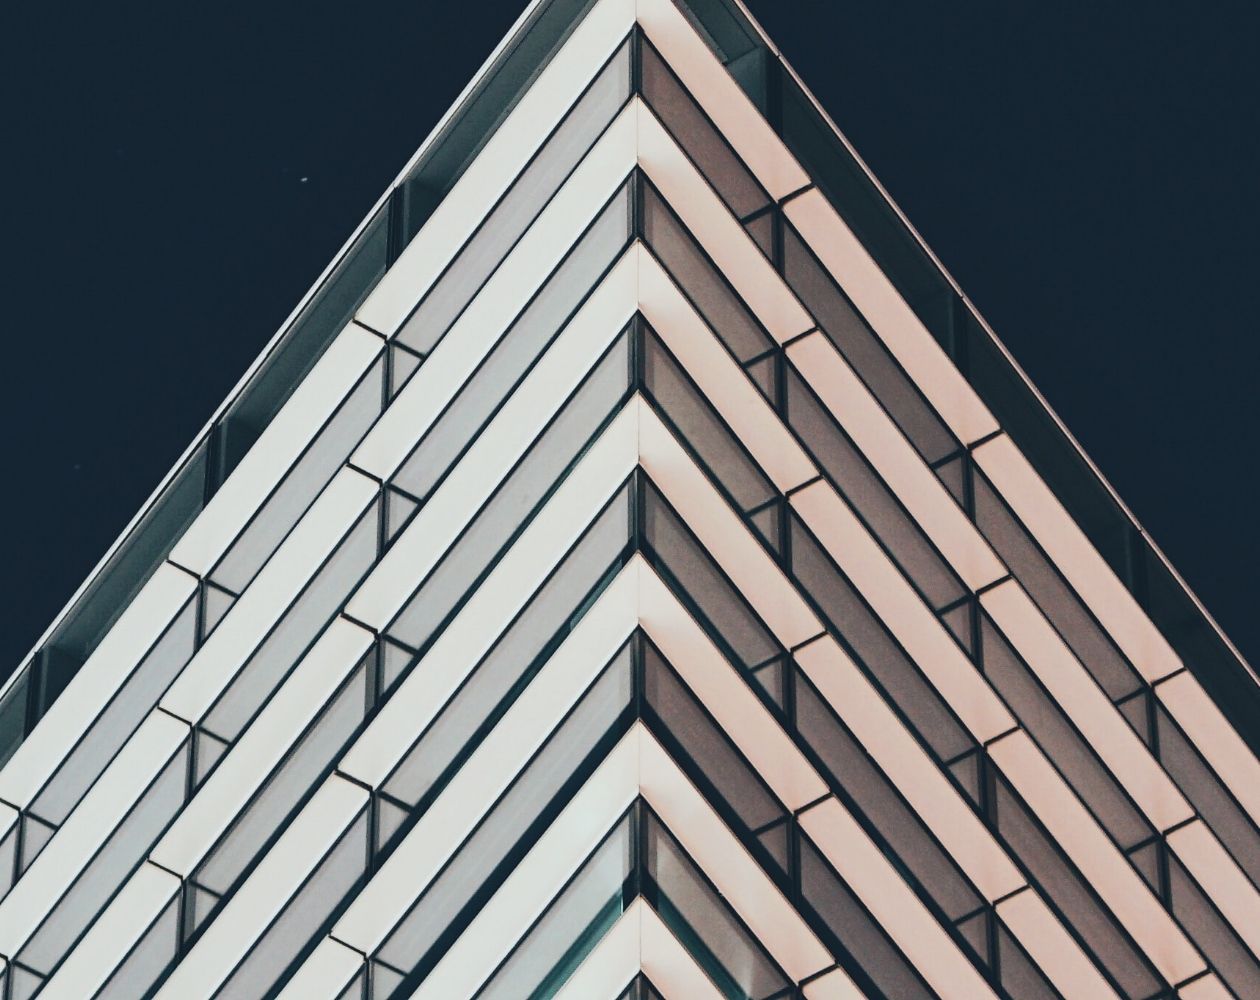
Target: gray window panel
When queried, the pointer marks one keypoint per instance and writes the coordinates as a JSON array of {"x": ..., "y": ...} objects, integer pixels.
[
  {"x": 148, "y": 960},
  {"x": 34, "y": 838},
  {"x": 1043, "y": 583},
  {"x": 201, "y": 905},
  {"x": 853, "y": 475},
  {"x": 764, "y": 373},
  {"x": 572, "y": 925},
  {"x": 357, "y": 990},
  {"x": 697, "y": 135},
  {"x": 124, "y": 848},
  {"x": 299, "y": 627},
  {"x": 513, "y": 819},
  {"x": 1217, "y": 940},
  {"x": 706, "y": 745},
  {"x": 701, "y": 428},
  {"x": 852, "y": 929},
  {"x": 1205, "y": 791},
  {"x": 519, "y": 207},
  {"x": 864, "y": 351},
  {"x": 215, "y": 603},
  {"x": 394, "y": 660},
  {"x": 514, "y": 658},
  {"x": 340, "y": 873},
  {"x": 777, "y": 842},
  {"x": 761, "y": 229},
  {"x": 1019, "y": 974},
  {"x": 1045, "y": 721},
  {"x": 959, "y": 621},
  {"x": 770, "y": 677},
  {"x": 114, "y": 726},
  {"x": 1137, "y": 712},
  {"x": 707, "y": 288},
  {"x": 892, "y": 669},
  {"x": 954, "y": 475},
  {"x": 208, "y": 751},
  {"x": 851, "y": 768},
  {"x": 402, "y": 365},
  {"x": 302, "y": 483},
  {"x": 542, "y": 467},
  {"x": 23, "y": 983},
  {"x": 731, "y": 623},
  {"x": 385, "y": 982},
  {"x": 517, "y": 350},
  {"x": 975, "y": 931},
  {"x": 769, "y": 525},
  {"x": 398, "y": 511},
  {"x": 696, "y": 913},
  {"x": 966, "y": 772},
  {"x": 13, "y": 715},
  {"x": 1066, "y": 890},
  {"x": 8, "y": 858},
  {"x": 307, "y": 763},
  {"x": 1146, "y": 859}
]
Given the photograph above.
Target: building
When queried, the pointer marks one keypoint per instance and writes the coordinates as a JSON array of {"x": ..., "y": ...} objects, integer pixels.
[{"x": 634, "y": 571}]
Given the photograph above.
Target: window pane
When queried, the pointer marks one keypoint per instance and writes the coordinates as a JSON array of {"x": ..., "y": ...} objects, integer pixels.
[
  {"x": 516, "y": 499},
  {"x": 853, "y": 621},
  {"x": 510, "y": 360},
  {"x": 875, "y": 503},
  {"x": 572, "y": 925},
  {"x": 696, "y": 134},
  {"x": 517, "y": 655},
  {"x": 299, "y": 627},
  {"x": 114, "y": 726},
  {"x": 513, "y": 215},
  {"x": 707, "y": 288},
  {"x": 300, "y": 486},
  {"x": 514, "y": 822},
  {"x": 305, "y": 915},
  {"x": 696, "y": 913}
]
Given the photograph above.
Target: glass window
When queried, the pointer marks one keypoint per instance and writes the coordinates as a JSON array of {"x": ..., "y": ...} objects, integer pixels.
[
  {"x": 1051, "y": 593},
  {"x": 1045, "y": 721},
  {"x": 297, "y": 629},
  {"x": 708, "y": 754},
  {"x": 692, "y": 130},
  {"x": 854, "y": 622},
  {"x": 122, "y": 850},
  {"x": 561, "y": 152},
  {"x": 572, "y": 925},
  {"x": 852, "y": 931},
  {"x": 515, "y": 353},
  {"x": 700, "y": 427},
  {"x": 1203, "y": 788},
  {"x": 874, "y": 502},
  {"x": 517, "y": 499},
  {"x": 909, "y": 844},
  {"x": 731, "y": 623},
  {"x": 114, "y": 726},
  {"x": 867, "y": 354},
  {"x": 1063, "y": 887},
  {"x": 309, "y": 760},
  {"x": 701, "y": 281},
  {"x": 508, "y": 830},
  {"x": 514, "y": 659},
  {"x": 695, "y": 911},
  {"x": 300, "y": 486},
  {"x": 307, "y": 914}
]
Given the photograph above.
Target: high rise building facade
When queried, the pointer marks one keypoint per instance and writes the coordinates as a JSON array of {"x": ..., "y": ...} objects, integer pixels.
[{"x": 634, "y": 571}]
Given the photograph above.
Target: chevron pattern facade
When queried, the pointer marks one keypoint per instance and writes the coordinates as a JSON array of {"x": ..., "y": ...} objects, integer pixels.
[{"x": 610, "y": 587}]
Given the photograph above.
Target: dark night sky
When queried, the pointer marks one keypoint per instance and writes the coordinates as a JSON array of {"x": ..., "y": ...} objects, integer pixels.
[{"x": 176, "y": 175}]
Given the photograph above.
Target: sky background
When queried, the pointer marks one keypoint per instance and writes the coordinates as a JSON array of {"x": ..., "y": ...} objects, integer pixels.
[{"x": 175, "y": 176}]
